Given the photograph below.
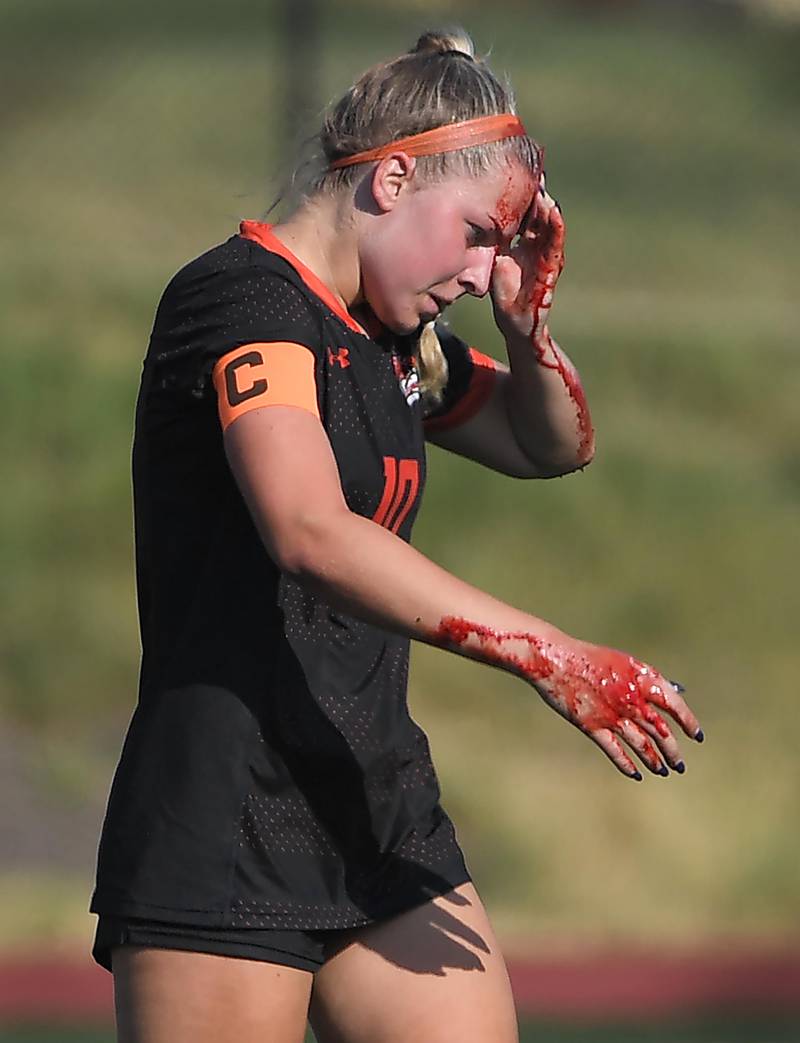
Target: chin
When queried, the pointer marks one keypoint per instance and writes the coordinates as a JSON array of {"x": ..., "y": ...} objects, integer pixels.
[
  {"x": 402, "y": 325},
  {"x": 406, "y": 329}
]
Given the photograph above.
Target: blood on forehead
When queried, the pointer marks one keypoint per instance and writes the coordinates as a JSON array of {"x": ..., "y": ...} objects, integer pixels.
[{"x": 514, "y": 201}]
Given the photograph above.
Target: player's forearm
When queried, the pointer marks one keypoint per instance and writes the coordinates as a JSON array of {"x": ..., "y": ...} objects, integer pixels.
[
  {"x": 546, "y": 405},
  {"x": 363, "y": 569}
]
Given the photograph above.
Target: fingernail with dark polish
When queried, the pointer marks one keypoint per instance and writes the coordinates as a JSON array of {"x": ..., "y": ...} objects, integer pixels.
[
  {"x": 663, "y": 770},
  {"x": 680, "y": 767},
  {"x": 637, "y": 775},
  {"x": 699, "y": 735},
  {"x": 678, "y": 686}
]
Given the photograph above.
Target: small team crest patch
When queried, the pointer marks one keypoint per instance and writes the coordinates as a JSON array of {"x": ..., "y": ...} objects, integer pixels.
[{"x": 408, "y": 378}]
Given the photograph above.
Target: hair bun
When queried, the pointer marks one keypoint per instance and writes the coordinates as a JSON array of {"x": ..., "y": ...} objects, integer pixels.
[{"x": 445, "y": 41}]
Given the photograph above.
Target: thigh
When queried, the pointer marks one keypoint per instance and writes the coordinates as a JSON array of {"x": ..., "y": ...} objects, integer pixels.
[
  {"x": 434, "y": 974},
  {"x": 172, "y": 996}
]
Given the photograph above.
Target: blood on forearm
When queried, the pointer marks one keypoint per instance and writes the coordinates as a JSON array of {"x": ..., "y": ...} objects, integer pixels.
[
  {"x": 547, "y": 407},
  {"x": 550, "y": 356},
  {"x": 547, "y": 353}
]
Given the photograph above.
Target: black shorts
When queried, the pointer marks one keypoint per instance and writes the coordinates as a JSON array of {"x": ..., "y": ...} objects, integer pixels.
[{"x": 305, "y": 950}]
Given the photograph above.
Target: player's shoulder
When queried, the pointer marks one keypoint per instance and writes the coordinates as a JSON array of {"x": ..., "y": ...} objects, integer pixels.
[
  {"x": 236, "y": 286},
  {"x": 237, "y": 270}
]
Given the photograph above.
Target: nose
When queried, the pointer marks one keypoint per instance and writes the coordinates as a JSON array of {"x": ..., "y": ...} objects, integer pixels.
[{"x": 477, "y": 276}]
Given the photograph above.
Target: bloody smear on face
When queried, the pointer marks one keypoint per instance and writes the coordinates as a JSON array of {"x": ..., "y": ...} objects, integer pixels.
[
  {"x": 512, "y": 205},
  {"x": 508, "y": 213},
  {"x": 594, "y": 687}
]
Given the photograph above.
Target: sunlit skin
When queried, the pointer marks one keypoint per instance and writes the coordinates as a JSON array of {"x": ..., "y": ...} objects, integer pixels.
[{"x": 436, "y": 242}]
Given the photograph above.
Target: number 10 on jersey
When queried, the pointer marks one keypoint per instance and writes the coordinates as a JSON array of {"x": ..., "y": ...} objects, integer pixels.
[{"x": 400, "y": 488}]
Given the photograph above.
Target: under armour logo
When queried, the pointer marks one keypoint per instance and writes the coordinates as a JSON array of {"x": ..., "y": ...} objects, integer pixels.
[{"x": 340, "y": 357}]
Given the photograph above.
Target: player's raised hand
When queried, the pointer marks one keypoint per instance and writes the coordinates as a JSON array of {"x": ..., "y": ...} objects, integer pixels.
[{"x": 525, "y": 276}]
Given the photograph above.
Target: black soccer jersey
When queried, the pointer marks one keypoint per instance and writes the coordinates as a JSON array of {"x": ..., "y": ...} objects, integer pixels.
[{"x": 271, "y": 775}]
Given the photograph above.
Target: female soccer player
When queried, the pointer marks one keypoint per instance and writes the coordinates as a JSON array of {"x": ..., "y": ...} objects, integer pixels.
[{"x": 274, "y": 847}]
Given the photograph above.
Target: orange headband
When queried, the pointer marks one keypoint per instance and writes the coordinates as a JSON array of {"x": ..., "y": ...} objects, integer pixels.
[{"x": 449, "y": 138}]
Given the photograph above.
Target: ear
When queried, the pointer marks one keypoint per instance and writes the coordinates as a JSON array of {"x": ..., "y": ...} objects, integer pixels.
[{"x": 392, "y": 177}]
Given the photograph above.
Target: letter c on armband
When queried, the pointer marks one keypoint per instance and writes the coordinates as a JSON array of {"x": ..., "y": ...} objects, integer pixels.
[{"x": 234, "y": 389}]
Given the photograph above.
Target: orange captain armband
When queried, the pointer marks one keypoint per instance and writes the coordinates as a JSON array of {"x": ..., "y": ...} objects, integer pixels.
[{"x": 258, "y": 375}]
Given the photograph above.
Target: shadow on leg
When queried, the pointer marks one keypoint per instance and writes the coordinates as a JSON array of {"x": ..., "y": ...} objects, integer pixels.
[{"x": 433, "y": 975}]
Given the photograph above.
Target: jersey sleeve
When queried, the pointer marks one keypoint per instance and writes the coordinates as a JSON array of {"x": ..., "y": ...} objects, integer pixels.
[
  {"x": 470, "y": 378},
  {"x": 244, "y": 335}
]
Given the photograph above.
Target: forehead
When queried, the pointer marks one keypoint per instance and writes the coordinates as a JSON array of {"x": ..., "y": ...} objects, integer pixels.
[{"x": 503, "y": 195}]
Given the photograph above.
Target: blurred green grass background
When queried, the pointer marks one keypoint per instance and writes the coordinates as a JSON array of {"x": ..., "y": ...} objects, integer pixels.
[{"x": 137, "y": 136}]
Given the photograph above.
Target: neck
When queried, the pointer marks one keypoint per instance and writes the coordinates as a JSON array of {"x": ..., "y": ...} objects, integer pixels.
[{"x": 322, "y": 235}]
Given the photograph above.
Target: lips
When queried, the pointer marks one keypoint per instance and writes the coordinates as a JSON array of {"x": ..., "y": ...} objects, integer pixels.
[
  {"x": 438, "y": 306},
  {"x": 428, "y": 313}
]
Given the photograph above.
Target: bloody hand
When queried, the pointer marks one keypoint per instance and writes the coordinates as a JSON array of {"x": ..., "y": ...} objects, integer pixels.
[
  {"x": 609, "y": 695},
  {"x": 525, "y": 277},
  {"x": 523, "y": 283},
  {"x": 614, "y": 698}
]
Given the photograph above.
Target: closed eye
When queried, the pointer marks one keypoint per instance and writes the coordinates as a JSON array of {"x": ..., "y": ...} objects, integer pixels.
[{"x": 477, "y": 236}]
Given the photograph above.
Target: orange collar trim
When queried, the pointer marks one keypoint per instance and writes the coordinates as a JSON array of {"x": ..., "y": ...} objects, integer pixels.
[
  {"x": 449, "y": 138},
  {"x": 261, "y": 233}
]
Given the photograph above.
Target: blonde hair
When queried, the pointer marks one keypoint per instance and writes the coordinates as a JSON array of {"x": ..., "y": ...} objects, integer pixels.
[{"x": 439, "y": 81}]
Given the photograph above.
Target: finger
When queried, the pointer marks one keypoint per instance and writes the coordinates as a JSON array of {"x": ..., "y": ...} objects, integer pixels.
[
  {"x": 551, "y": 212},
  {"x": 528, "y": 216},
  {"x": 506, "y": 280},
  {"x": 549, "y": 246},
  {"x": 540, "y": 210},
  {"x": 658, "y": 691},
  {"x": 533, "y": 277},
  {"x": 537, "y": 225},
  {"x": 526, "y": 255},
  {"x": 531, "y": 296},
  {"x": 558, "y": 226},
  {"x": 638, "y": 741},
  {"x": 548, "y": 270},
  {"x": 547, "y": 206},
  {"x": 614, "y": 750},
  {"x": 665, "y": 740}
]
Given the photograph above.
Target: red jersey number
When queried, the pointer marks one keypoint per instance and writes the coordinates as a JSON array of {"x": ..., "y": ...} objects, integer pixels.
[{"x": 401, "y": 485}]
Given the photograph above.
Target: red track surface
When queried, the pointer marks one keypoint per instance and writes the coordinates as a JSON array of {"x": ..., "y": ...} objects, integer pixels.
[{"x": 594, "y": 988}]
